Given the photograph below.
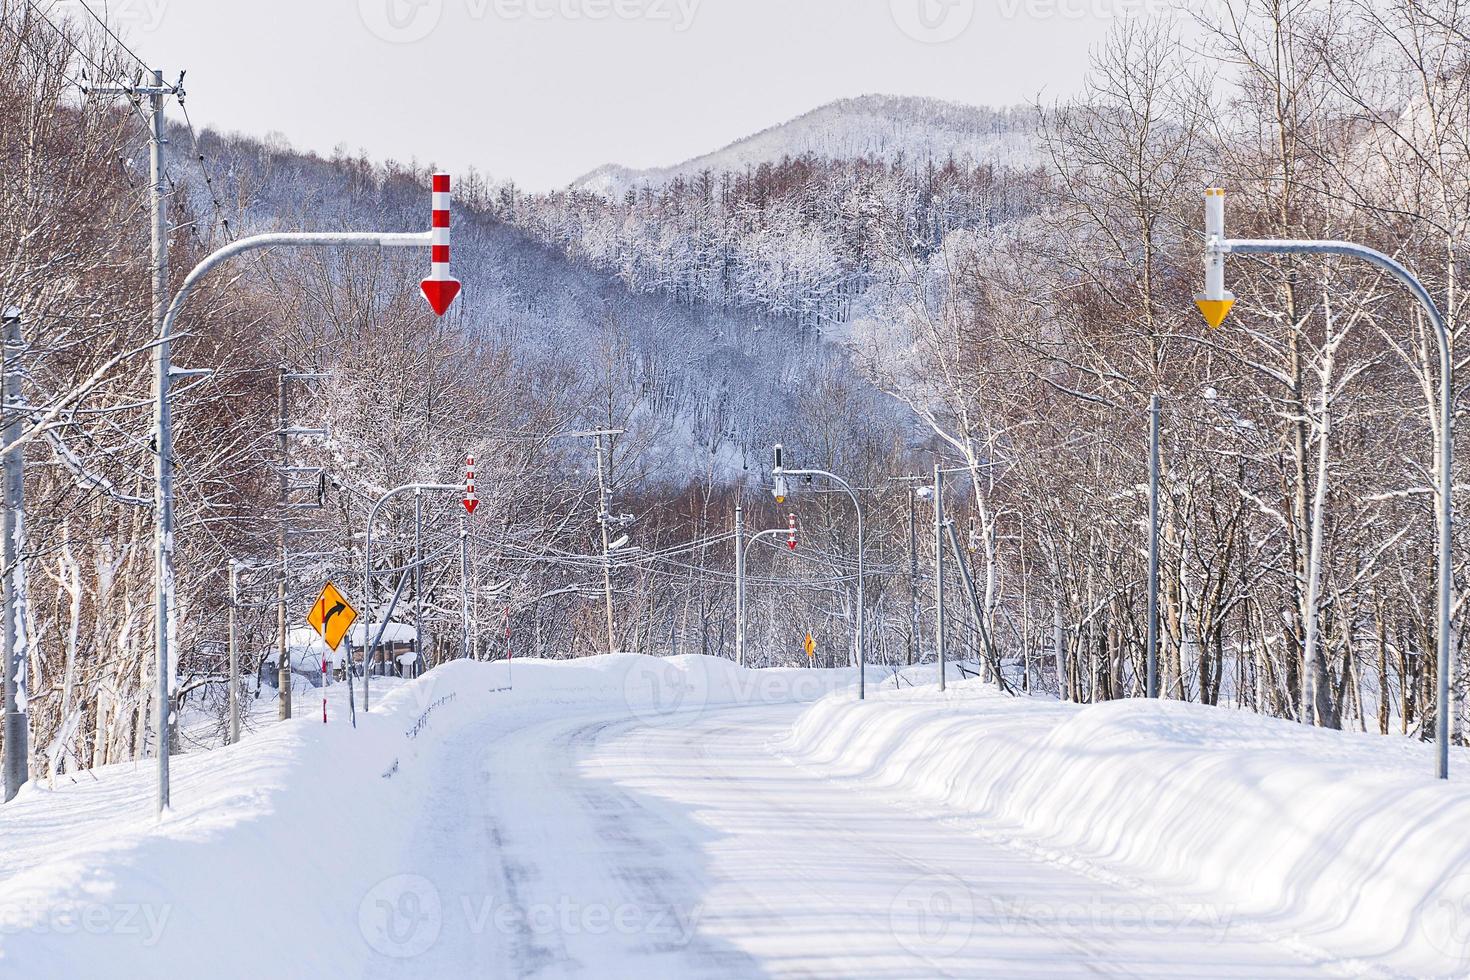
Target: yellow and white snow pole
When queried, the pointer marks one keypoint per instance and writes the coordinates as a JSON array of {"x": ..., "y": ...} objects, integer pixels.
[{"x": 1215, "y": 302}]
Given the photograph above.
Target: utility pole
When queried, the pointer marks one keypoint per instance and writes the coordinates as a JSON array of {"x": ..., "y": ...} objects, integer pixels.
[
  {"x": 233, "y": 733},
  {"x": 283, "y": 649},
  {"x": 370, "y": 643},
  {"x": 992, "y": 656},
  {"x": 464, "y": 588},
  {"x": 739, "y": 586},
  {"x": 285, "y": 429},
  {"x": 605, "y": 519},
  {"x": 742, "y": 545},
  {"x": 17, "y": 716},
  {"x": 918, "y": 648},
  {"x": 939, "y": 571},
  {"x": 1153, "y": 547},
  {"x": 604, "y": 516},
  {"x": 163, "y": 467},
  {"x": 418, "y": 577}
]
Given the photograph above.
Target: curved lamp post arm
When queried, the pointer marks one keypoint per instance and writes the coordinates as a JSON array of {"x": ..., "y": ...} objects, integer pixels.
[
  {"x": 295, "y": 238},
  {"x": 774, "y": 532},
  {"x": 1221, "y": 246},
  {"x": 740, "y": 588}
]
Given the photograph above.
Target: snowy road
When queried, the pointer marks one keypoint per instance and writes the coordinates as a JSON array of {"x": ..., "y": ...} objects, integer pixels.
[{"x": 685, "y": 846}]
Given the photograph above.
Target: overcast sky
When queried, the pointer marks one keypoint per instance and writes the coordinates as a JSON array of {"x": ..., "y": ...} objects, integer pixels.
[{"x": 544, "y": 90}]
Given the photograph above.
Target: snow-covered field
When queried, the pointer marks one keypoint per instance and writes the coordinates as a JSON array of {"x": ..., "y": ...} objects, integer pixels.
[{"x": 630, "y": 816}]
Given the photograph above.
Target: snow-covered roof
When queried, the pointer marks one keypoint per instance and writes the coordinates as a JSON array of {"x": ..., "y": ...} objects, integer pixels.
[
  {"x": 307, "y": 646},
  {"x": 308, "y": 650},
  {"x": 392, "y": 633}
]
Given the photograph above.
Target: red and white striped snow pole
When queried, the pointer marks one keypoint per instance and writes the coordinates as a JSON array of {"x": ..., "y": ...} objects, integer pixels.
[
  {"x": 440, "y": 288},
  {"x": 470, "y": 501}
]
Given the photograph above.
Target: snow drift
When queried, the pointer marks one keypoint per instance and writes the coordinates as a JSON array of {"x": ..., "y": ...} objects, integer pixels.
[{"x": 1324, "y": 839}]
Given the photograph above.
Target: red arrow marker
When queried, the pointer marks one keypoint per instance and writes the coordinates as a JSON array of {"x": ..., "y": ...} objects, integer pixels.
[
  {"x": 440, "y": 288},
  {"x": 470, "y": 502},
  {"x": 440, "y": 293}
]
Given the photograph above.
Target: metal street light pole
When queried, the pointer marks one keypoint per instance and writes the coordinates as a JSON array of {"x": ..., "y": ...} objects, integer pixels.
[
  {"x": 781, "y": 473},
  {"x": 1215, "y": 304},
  {"x": 367, "y": 568},
  {"x": 13, "y": 663},
  {"x": 233, "y": 685},
  {"x": 739, "y": 586},
  {"x": 163, "y": 496},
  {"x": 464, "y": 588},
  {"x": 940, "y": 651},
  {"x": 742, "y": 546},
  {"x": 604, "y": 515},
  {"x": 1152, "y": 681}
]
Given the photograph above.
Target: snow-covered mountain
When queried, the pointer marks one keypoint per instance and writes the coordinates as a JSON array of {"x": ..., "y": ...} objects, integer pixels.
[{"x": 884, "y": 127}]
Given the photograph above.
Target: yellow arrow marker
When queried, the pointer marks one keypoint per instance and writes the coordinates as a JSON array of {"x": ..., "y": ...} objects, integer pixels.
[
  {"x": 1214, "y": 310},
  {"x": 809, "y": 645}
]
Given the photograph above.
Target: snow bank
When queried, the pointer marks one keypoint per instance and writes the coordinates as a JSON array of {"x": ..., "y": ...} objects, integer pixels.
[
  {"x": 277, "y": 849},
  {"x": 1330, "y": 840}
]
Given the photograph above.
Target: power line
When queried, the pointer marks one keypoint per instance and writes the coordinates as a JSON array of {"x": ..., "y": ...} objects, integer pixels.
[
  {"x": 119, "y": 41},
  {"x": 39, "y": 56},
  {"x": 143, "y": 65},
  {"x": 63, "y": 35},
  {"x": 204, "y": 171}
]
